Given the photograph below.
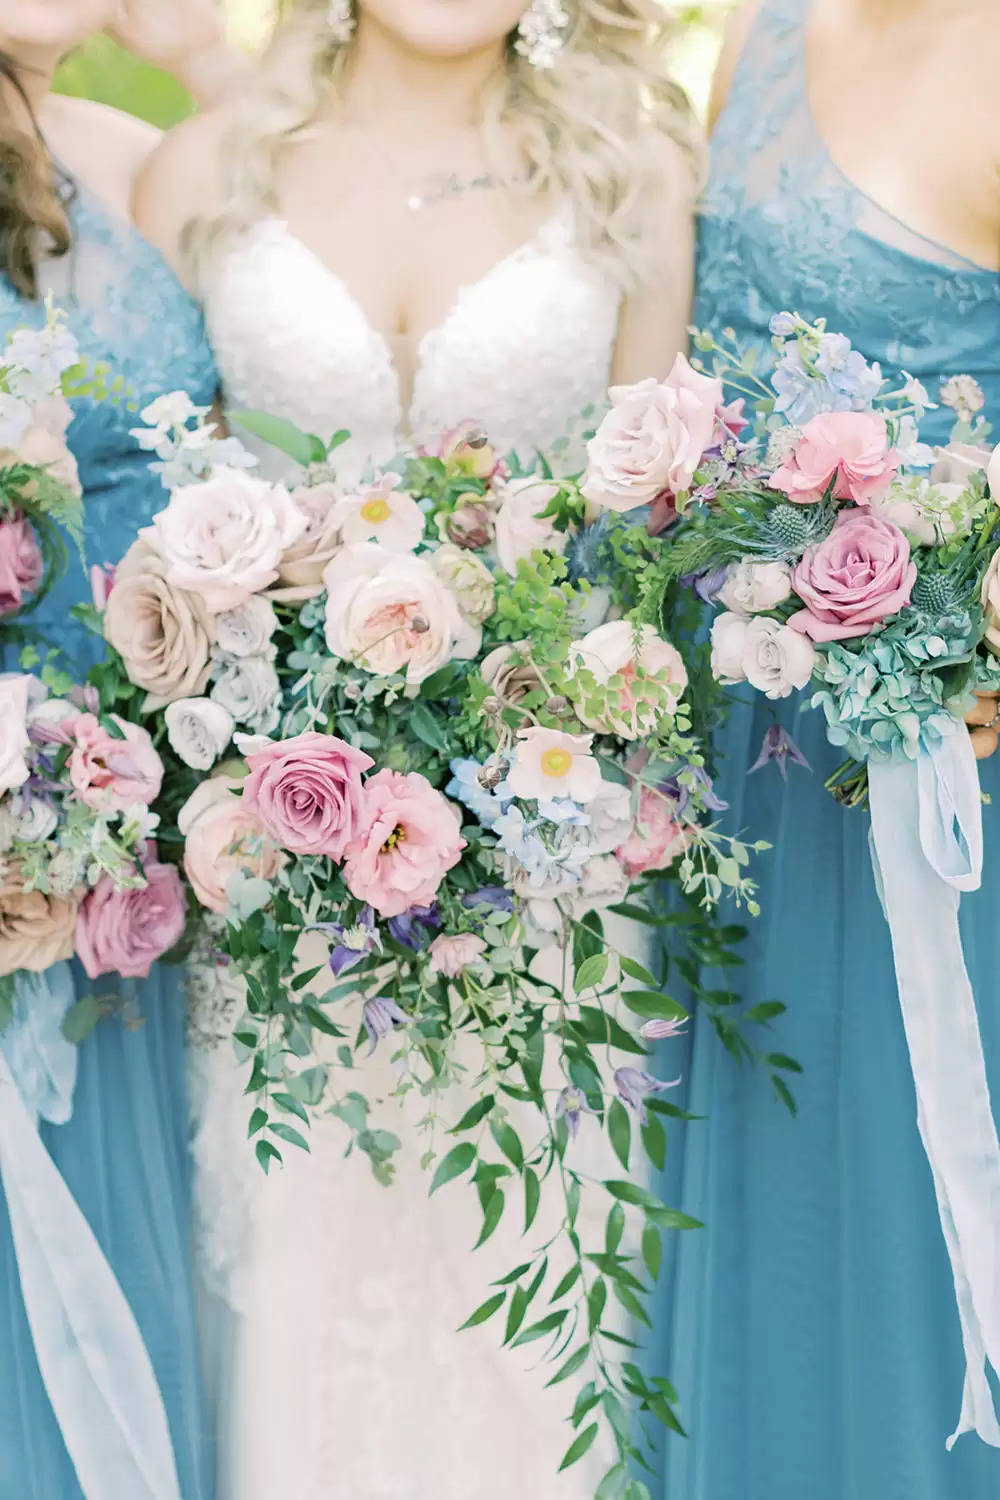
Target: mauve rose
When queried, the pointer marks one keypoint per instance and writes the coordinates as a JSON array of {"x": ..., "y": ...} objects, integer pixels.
[
  {"x": 452, "y": 955},
  {"x": 113, "y": 773},
  {"x": 412, "y": 839},
  {"x": 224, "y": 539},
  {"x": 163, "y": 634},
  {"x": 21, "y": 564},
  {"x": 126, "y": 931},
  {"x": 860, "y": 575},
  {"x": 657, "y": 838},
  {"x": 36, "y": 931},
  {"x": 222, "y": 837},
  {"x": 300, "y": 571},
  {"x": 850, "y": 447},
  {"x": 653, "y": 438},
  {"x": 307, "y": 792}
]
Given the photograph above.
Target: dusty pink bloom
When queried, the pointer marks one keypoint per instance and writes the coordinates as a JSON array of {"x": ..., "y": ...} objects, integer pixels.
[
  {"x": 412, "y": 839},
  {"x": 850, "y": 447},
  {"x": 307, "y": 793},
  {"x": 20, "y": 562},
  {"x": 860, "y": 575},
  {"x": 452, "y": 955},
  {"x": 111, "y": 772},
  {"x": 126, "y": 931}
]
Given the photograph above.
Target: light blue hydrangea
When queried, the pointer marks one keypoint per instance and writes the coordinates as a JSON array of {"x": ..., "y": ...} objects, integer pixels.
[
  {"x": 465, "y": 787},
  {"x": 823, "y": 374}
]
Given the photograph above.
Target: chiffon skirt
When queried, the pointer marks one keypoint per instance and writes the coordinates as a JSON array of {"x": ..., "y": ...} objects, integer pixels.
[
  {"x": 124, "y": 1157},
  {"x": 811, "y": 1326}
]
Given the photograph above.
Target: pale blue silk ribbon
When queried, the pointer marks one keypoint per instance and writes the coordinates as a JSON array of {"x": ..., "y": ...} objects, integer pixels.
[
  {"x": 93, "y": 1361},
  {"x": 927, "y": 847}
]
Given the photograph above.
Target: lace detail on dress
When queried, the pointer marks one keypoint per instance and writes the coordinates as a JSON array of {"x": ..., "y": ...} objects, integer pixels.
[
  {"x": 782, "y": 227},
  {"x": 522, "y": 351}
]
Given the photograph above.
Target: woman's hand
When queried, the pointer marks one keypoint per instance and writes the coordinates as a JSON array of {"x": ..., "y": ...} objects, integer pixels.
[
  {"x": 984, "y": 724},
  {"x": 186, "y": 38}
]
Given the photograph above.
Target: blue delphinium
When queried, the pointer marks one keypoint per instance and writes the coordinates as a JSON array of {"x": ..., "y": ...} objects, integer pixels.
[
  {"x": 820, "y": 373},
  {"x": 465, "y": 787}
]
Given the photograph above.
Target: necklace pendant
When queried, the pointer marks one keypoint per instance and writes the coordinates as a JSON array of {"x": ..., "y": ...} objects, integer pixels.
[{"x": 414, "y": 203}]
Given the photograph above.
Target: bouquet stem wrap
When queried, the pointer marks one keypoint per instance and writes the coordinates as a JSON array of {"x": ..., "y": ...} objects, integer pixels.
[
  {"x": 927, "y": 847},
  {"x": 93, "y": 1361}
]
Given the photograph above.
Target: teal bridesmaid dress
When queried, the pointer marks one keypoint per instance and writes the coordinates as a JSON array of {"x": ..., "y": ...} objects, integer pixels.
[
  {"x": 123, "y": 1151},
  {"x": 811, "y": 1327}
]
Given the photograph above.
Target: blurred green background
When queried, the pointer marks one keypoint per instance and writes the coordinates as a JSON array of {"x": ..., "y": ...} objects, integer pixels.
[{"x": 103, "y": 71}]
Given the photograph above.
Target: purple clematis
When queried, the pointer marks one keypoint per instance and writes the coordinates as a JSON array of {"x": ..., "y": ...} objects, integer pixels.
[
  {"x": 779, "y": 746},
  {"x": 571, "y": 1104},
  {"x": 496, "y": 897},
  {"x": 354, "y": 941},
  {"x": 634, "y": 1087},
  {"x": 380, "y": 1017},
  {"x": 410, "y": 929},
  {"x": 682, "y": 794},
  {"x": 659, "y": 1029}
]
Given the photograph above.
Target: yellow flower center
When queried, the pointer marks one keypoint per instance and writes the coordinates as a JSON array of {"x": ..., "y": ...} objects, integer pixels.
[
  {"x": 557, "y": 762},
  {"x": 396, "y": 837},
  {"x": 376, "y": 511}
]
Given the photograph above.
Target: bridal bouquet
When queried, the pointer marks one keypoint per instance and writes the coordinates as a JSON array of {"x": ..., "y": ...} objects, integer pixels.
[
  {"x": 851, "y": 562},
  {"x": 418, "y": 723},
  {"x": 80, "y": 873},
  {"x": 40, "y": 497}
]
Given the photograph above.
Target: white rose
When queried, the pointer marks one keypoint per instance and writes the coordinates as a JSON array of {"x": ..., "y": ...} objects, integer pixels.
[
  {"x": 729, "y": 637},
  {"x": 249, "y": 689},
  {"x": 753, "y": 587},
  {"x": 247, "y": 629},
  {"x": 469, "y": 579},
  {"x": 391, "y": 613},
  {"x": 611, "y": 817},
  {"x": 776, "y": 658},
  {"x": 521, "y": 528},
  {"x": 223, "y": 539},
  {"x": 198, "y": 730},
  {"x": 621, "y": 649},
  {"x": 14, "y": 741},
  {"x": 32, "y": 820},
  {"x": 653, "y": 438}
]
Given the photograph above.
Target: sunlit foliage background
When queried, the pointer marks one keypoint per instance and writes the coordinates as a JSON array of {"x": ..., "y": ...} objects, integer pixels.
[{"x": 102, "y": 71}]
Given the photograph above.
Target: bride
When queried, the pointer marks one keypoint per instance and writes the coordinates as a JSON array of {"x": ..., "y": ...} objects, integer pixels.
[{"x": 421, "y": 212}]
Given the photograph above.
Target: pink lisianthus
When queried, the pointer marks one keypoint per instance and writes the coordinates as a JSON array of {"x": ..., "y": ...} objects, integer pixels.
[
  {"x": 452, "y": 955},
  {"x": 657, "y": 838},
  {"x": 850, "y": 447},
  {"x": 126, "y": 931},
  {"x": 113, "y": 772},
  {"x": 20, "y": 562},
  {"x": 307, "y": 793},
  {"x": 853, "y": 580},
  {"x": 412, "y": 839}
]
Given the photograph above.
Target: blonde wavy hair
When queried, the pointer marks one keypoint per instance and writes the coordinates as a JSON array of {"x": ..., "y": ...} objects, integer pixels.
[{"x": 595, "y": 127}]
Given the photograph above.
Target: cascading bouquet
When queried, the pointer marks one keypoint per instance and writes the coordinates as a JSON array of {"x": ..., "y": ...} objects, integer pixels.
[
  {"x": 854, "y": 563},
  {"x": 40, "y": 496},
  {"x": 419, "y": 718}
]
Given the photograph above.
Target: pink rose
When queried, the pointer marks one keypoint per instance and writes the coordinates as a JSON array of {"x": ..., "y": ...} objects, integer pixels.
[
  {"x": 413, "y": 837},
  {"x": 126, "y": 931},
  {"x": 307, "y": 793},
  {"x": 20, "y": 562},
  {"x": 849, "y": 446},
  {"x": 861, "y": 574},
  {"x": 221, "y": 838},
  {"x": 113, "y": 772},
  {"x": 451, "y": 956},
  {"x": 657, "y": 838},
  {"x": 653, "y": 438}
]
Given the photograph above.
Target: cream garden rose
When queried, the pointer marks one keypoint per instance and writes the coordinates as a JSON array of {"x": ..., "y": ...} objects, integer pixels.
[
  {"x": 773, "y": 658},
  {"x": 300, "y": 571},
  {"x": 391, "y": 613},
  {"x": 521, "y": 527},
  {"x": 198, "y": 730},
  {"x": 162, "y": 633},
  {"x": 649, "y": 671},
  {"x": 224, "y": 539},
  {"x": 752, "y": 587}
]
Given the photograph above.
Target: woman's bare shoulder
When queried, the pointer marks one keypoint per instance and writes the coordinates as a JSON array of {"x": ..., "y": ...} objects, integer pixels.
[
  {"x": 183, "y": 177},
  {"x": 740, "y": 26}
]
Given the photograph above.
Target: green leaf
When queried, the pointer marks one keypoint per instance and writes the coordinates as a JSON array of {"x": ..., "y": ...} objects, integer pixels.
[
  {"x": 654, "y": 1138},
  {"x": 546, "y": 1325},
  {"x": 567, "y": 1282},
  {"x": 532, "y": 1197},
  {"x": 278, "y": 433},
  {"x": 509, "y": 1142},
  {"x": 290, "y": 1134},
  {"x": 766, "y": 1011},
  {"x": 257, "y": 1122},
  {"x": 596, "y": 1300},
  {"x": 779, "y": 1060},
  {"x": 652, "y": 1250},
  {"x": 458, "y": 1160},
  {"x": 485, "y": 1311},
  {"x": 579, "y": 1446},
  {"x": 652, "y": 1003},
  {"x": 426, "y": 727},
  {"x": 615, "y": 1229},
  {"x": 515, "y": 1312},
  {"x": 81, "y": 1018},
  {"x": 585, "y": 1401},
  {"x": 292, "y": 1105},
  {"x": 635, "y": 970},
  {"x": 620, "y": 1131},
  {"x": 612, "y": 1486},
  {"x": 491, "y": 1216},
  {"x": 266, "y": 1153},
  {"x": 590, "y": 973},
  {"x": 574, "y": 1363},
  {"x": 473, "y": 1115}
]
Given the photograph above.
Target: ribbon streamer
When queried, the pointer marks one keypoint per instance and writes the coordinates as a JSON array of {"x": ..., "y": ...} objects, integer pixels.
[
  {"x": 93, "y": 1361},
  {"x": 927, "y": 847}
]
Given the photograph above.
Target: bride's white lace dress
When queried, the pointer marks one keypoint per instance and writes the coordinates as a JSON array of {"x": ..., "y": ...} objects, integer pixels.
[{"x": 331, "y": 1303}]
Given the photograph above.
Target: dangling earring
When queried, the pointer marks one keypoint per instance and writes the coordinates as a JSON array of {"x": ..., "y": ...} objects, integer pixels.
[
  {"x": 341, "y": 21},
  {"x": 541, "y": 33}
]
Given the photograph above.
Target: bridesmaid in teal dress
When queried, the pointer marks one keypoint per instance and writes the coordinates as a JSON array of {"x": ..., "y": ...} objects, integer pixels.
[
  {"x": 123, "y": 1152},
  {"x": 811, "y": 1327}
]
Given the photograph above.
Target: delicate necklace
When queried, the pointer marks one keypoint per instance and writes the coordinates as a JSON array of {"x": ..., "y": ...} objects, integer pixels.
[{"x": 441, "y": 187}]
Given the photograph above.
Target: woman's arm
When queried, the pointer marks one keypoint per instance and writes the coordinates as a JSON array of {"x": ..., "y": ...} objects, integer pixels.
[
  {"x": 737, "y": 31},
  {"x": 186, "y": 38}
]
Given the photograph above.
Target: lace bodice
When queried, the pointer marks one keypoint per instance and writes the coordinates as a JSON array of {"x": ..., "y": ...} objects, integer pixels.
[
  {"x": 522, "y": 352},
  {"x": 127, "y": 312},
  {"x": 782, "y": 227}
]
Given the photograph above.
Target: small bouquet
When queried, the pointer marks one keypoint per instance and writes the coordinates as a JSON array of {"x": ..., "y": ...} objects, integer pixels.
[
  {"x": 852, "y": 562},
  {"x": 40, "y": 496},
  {"x": 419, "y": 722},
  {"x": 79, "y": 869}
]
